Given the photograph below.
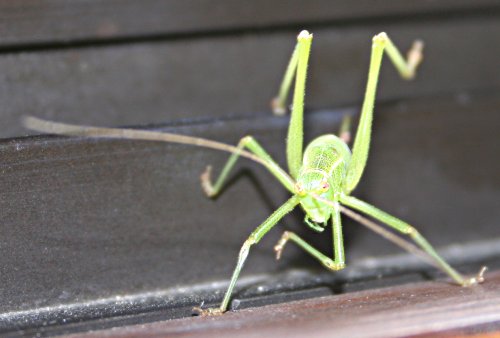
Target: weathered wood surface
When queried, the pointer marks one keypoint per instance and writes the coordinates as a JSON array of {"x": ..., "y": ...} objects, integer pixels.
[
  {"x": 429, "y": 309},
  {"x": 92, "y": 219},
  {"x": 230, "y": 76},
  {"x": 49, "y": 22},
  {"x": 88, "y": 225}
]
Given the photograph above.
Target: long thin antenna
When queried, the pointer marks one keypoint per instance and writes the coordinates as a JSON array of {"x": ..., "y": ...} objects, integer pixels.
[{"x": 59, "y": 128}]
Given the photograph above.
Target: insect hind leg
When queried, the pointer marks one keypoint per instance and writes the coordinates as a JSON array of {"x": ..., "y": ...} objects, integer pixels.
[{"x": 411, "y": 232}]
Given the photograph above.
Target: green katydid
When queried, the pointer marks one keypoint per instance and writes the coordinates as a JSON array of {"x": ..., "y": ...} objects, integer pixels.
[{"x": 321, "y": 178}]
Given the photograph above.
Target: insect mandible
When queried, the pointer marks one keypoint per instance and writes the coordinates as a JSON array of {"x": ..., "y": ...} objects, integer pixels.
[{"x": 321, "y": 177}]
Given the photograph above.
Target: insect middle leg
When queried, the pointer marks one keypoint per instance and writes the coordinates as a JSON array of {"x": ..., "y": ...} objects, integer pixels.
[
  {"x": 251, "y": 144},
  {"x": 410, "y": 231},
  {"x": 254, "y": 238},
  {"x": 338, "y": 261}
]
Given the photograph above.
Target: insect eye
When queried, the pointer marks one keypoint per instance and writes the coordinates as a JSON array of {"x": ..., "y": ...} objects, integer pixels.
[{"x": 325, "y": 186}]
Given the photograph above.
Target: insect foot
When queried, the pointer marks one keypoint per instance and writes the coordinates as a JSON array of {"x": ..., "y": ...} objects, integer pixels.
[
  {"x": 281, "y": 244},
  {"x": 277, "y": 107},
  {"x": 210, "y": 312},
  {"x": 206, "y": 182},
  {"x": 478, "y": 279}
]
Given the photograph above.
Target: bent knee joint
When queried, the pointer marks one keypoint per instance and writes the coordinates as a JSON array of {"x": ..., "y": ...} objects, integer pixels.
[
  {"x": 245, "y": 248},
  {"x": 286, "y": 235},
  {"x": 380, "y": 39},
  {"x": 331, "y": 265},
  {"x": 412, "y": 232},
  {"x": 246, "y": 140}
]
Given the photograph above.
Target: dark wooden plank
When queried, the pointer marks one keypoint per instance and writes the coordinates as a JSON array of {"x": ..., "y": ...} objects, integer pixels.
[
  {"x": 427, "y": 309},
  {"x": 86, "y": 219},
  {"x": 236, "y": 75},
  {"x": 56, "y": 21}
]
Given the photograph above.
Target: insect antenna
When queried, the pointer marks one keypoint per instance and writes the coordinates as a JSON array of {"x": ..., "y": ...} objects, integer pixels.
[{"x": 67, "y": 129}]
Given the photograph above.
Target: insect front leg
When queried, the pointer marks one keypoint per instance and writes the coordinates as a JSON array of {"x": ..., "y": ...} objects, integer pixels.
[
  {"x": 251, "y": 144},
  {"x": 338, "y": 261},
  {"x": 410, "y": 231},
  {"x": 407, "y": 69},
  {"x": 254, "y": 238},
  {"x": 278, "y": 104},
  {"x": 345, "y": 129}
]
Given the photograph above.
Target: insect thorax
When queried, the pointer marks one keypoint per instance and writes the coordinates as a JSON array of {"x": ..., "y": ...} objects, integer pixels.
[
  {"x": 328, "y": 157},
  {"x": 322, "y": 173}
]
